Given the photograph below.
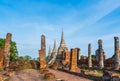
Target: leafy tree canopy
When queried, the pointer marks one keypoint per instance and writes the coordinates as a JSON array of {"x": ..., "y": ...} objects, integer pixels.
[{"x": 13, "y": 49}]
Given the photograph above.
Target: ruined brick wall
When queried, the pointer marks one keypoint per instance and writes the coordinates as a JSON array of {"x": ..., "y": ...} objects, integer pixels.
[
  {"x": 66, "y": 57},
  {"x": 42, "y": 59},
  {"x": 43, "y": 44},
  {"x": 73, "y": 60},
  {"x": 1, "y": 58},
  {"x": 78, "y": 54},
  {"x": 7, "y": 50}
]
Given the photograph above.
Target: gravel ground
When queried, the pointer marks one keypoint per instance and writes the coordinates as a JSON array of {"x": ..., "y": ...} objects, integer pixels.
[{"x": 34, "y": 75}]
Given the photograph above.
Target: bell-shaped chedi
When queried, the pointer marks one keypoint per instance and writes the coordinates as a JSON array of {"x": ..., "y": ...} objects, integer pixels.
[
  {"x": 100, "y": 55},
  {"x": 62, "y": 48}
]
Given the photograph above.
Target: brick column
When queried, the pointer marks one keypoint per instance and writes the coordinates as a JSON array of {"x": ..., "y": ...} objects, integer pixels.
[
  {"x": 73, "y": 60},
  {"x": 1, "y": 58},
  {"x": 116, "y": 51},
  {"x": 42, "y": 59},
  {"x": 7, "y": 50},
  {"x": 89, "y": 56}
]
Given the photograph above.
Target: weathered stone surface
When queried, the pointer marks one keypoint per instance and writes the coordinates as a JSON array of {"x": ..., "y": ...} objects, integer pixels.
[
  {"x": 42, "y": 59},
  {"x": 66, "y": 58},
  {"x": 43, "y": 45},
  {"x": 73, "y": 60},
  {"x": 55, "y": 65},
  {"x": 7, "y": 50},
  {"x": 53, "y": 55},
  {"x": 89, "y": 56},
  {"x": 44, "y": 71},
  {"x": 49, "y": 76},
  {"x": 78, "y": 54},
  {"x": 49, "y": 55},
  {"x": 117, "y": 53},
  {"x": 100, "y": 54},
  {"x": 1, "y": 58}
]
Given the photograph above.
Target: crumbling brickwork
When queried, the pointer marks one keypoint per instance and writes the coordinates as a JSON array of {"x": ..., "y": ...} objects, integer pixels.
[
  {"x": 42, "y": 53},
  {"x": 66, "y": 57},
  {"x": 73, "y": 60},
  {"x": 7, "y": 50},
  {"x": 42, "y": 59},
  {"x": 1, "y": 58},
  {"x": 117, "y": 53},
  {"x": 100, "y": 54}
]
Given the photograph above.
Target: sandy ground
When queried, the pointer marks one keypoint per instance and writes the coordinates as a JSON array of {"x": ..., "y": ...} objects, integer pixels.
[{"x": 34, "y": 75}]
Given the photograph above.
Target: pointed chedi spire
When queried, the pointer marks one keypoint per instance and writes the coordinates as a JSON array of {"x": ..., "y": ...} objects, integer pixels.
[
  {"x": 53, "y": 54},
  {"x": 62, "y": 43},
  {"x": 62, "y": 47},
  {"x": 49, "y": 51},
  {"x": 54, "y": 48}
]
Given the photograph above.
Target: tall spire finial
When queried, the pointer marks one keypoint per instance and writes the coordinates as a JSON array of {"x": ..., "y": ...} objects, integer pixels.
[
  {"x": 62, "y": 38},
  {"x": 49, "y": 51},
  {"x": 54, "y": 45}
]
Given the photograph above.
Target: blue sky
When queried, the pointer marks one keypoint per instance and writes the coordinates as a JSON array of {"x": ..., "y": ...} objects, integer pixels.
[{"x": 83, "y": 22}]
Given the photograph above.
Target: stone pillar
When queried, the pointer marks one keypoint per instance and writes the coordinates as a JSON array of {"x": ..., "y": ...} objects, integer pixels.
[
  {"x": 43, "y": 44},
  {"x": 101, "y": 60},
  {"x": 116, "y": 51},
  {"x": 78, "y": 54},
  {"x": 42, "y": 59},
  {"x": 73, "y": 60},
  {"x": 89, "y": 56},
  {"x": 7, "y": 50},
  {"x": 1, "y": 58}
]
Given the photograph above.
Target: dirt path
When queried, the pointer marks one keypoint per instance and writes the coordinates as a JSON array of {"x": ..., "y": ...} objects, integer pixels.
[{"x": 34, "y": 75}]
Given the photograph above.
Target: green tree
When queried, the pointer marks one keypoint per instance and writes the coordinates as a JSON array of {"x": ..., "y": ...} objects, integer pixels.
[
  {"x": 2, "y": 43},
  {"x": 27, "y": 57},
  {"x": 93, "y": 57},
  {"x": 13, "y": 49},
  {"x": 13, "y": 52}
]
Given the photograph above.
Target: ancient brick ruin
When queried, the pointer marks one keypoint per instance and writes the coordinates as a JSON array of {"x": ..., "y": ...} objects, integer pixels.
[
  {"x": 7, "y": 51},
  {"x": 1, "y": 58},
  {"x": 62, "y": 48},
  {"x": 53, "y": 54},
  {"x": 42, "y": 53},
  {"x": 100, "y": 55},
  {"x": 89, "y": 56},
  {"x": 117, "y": 54},
  {"x": 66, "y": 58},
  {"x": 73, "y": 60},
  {"x": 42, "y": 59}
]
